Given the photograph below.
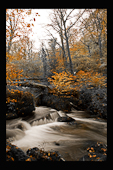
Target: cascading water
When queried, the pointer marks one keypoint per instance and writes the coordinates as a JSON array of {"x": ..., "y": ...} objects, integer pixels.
[
  {"x": 51, "y": 117},
  {"x": 42, "y": 130}
]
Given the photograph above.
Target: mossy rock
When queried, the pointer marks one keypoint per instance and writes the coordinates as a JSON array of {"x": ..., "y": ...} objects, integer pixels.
[{"x": 19, "y": 102}]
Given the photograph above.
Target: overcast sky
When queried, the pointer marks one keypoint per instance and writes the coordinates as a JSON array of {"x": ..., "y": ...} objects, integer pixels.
[{"x": 38, "y": 31}]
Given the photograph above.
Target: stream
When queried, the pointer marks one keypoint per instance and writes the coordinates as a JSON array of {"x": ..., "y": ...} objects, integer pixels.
[{"x": 41, "y": 129}]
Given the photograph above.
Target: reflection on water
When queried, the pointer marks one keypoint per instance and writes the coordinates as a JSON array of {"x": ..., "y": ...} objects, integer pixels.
[{"x": 45, "y": 132}]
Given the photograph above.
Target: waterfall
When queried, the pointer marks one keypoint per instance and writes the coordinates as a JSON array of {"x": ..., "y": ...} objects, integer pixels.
[
  {"x": 43, "y": 131},
  {"x": 51, "y": 117},
  {"x": 15, "y": 129}
]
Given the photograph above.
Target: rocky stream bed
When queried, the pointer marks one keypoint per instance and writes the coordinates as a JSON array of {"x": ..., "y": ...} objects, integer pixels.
[{"x": 54, "y": 132}]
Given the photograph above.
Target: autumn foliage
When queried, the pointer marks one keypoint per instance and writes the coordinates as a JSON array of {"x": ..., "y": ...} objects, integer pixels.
[
  {"x": 83, "y": 50},
  {"x": 65, "y": 82},
  {"x": 12, "y": 72}
]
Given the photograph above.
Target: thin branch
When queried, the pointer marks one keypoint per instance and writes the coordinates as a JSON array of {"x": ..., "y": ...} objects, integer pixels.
[
  {"x": 76, "y": 21},
  {"x": 56, "y": 30},
  {"x": 69, "y": 15},
  {"x": 53, "y": 38}
]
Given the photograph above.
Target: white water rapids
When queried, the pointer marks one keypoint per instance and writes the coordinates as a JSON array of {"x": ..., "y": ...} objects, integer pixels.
[{"x": 43, "y": 131}]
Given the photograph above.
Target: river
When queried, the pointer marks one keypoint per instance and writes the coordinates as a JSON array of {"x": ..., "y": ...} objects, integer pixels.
[{"x": 42, "y": 130}]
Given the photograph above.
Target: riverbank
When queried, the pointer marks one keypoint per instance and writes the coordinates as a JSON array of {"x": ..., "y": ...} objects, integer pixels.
[
  {"x": 73, "y": 124},
  {"x": 95, "y": 152},
  {"x": 22, "y": 100},
  {"x": 70, "y": 140}
]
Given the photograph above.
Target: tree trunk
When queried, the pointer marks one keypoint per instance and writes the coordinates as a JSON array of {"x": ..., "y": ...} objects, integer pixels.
[
  {"x": 63, "y": 50},
  {"x": 100, "y": 45},
  {"x": 67, "y": 44},
  {"x": 99, "y": 37},
  {"x": 11, "y": 36},
  {"x": 44, "y": 62},
  {"x": 89, "y": 51},
  {"x": 68, "y": 50}
]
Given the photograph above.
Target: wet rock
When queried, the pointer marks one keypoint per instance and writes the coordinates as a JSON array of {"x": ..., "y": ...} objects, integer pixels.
[
  {"x": 73, "y": 123},
  {"x": 41, "y": 155},
  {"x": 69, "y": 120},
  {"x": 56, "y": 102},
  {"x": 96, "y": 152},
  {"x": 11, "y": 111},
  {"x": 93, "y": 100},
  {"x": 13, "y": 153},
  {"x": 18, "y": 103},
  {"x": 56, "y": 143},
  {"x": 65, "y": 119}
]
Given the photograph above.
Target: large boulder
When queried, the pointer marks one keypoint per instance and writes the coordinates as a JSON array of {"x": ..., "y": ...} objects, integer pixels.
[
  {"x": 92, "y": 100},
  {"x": 13, "y": 153},
  {"x": 41, "y": 155},
  {"x": 96, "y": 152},
  {"x": 18, "y": 102},
  {"x": 67, "y": 119},
  {"x": 53, "y": 101}
]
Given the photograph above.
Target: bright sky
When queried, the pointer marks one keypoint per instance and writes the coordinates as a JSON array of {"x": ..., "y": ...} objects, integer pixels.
[{"x": 39, "y": 32}]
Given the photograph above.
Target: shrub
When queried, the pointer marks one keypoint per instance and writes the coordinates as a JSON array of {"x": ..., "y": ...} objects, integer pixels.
[{"x": 94, "y": 100}]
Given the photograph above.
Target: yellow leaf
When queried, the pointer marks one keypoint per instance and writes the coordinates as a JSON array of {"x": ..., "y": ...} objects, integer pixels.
[
  {"x": 90, "y": 150},
  {"x": 90, "y": 155},
  {"x": 12, "y": 158},
  {"x": 28, "y": 159},
  {"x": 49, "y": 154},
  {"x": 103, "y": 149}
]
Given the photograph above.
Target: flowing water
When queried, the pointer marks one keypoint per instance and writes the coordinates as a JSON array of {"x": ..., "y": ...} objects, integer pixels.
[{"x": 42, "y": 130}]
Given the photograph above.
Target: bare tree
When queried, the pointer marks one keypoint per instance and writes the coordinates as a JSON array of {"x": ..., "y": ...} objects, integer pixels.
[
  {"x": 43, "y": 57},
  {"x": 59, "y": 21},
  {"x": 86, "y": 42},
  {"x": 94, "y": 27},
  {"x": 29, "y": 46},
  {"x": 16, "y": 26},
  {"x": 11, "y": 28}
]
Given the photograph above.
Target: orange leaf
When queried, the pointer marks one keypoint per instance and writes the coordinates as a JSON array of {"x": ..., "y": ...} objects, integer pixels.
[
  {"x": 28, "y": 159},
  {"x": 28, "y": 25},
  {"x": 90, "y": 155},
  {"x": 12, "y": 158}
]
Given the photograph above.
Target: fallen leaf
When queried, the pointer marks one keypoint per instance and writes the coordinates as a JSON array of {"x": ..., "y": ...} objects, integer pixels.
[
  {"x": 28, "y": 159},
  {"x": 49, "y": 154},
  {"x": 103, "y": 149}
]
